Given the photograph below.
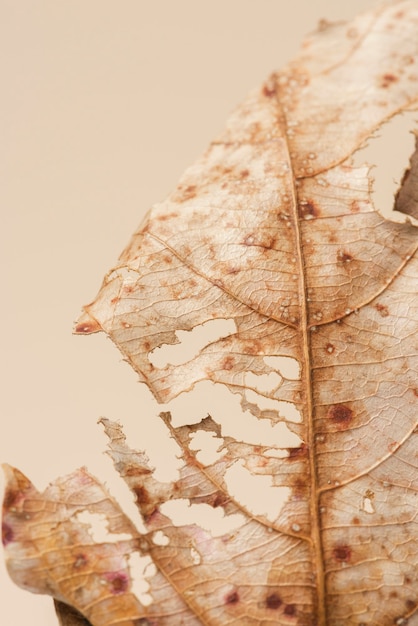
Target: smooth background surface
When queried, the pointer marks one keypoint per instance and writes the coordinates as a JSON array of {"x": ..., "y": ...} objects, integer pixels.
[{"x": 103, "y": 105}]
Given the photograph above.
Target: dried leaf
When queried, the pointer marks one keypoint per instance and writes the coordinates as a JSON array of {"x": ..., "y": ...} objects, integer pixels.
[{"x": 274, "y": 230}]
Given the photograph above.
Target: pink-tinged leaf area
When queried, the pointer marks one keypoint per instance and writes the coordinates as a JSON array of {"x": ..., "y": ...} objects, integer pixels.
[{"x": 274, "y": 230}]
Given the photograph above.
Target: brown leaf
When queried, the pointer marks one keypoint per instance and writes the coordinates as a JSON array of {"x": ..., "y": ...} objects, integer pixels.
[{"x": 273, "y": 229}]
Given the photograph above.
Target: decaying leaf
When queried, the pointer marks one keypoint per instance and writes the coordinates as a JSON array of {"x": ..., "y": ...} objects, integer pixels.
[{"x": 274, "y": 230}]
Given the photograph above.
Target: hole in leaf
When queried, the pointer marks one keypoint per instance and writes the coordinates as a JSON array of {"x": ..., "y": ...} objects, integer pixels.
[
  {"x": 207, "y": 445},
  {"x": 286, "y": 410},
  {"x": 213, "y": 520},
  {"x": 191, "y": 342},
  {"x": 264, "y": 382},
  {"x": 197, "y": 559},
  {"x": 225, "y": 408},
  {"x": 389, "y": 149},
  {"x": 285, "y": 365},
  {"x": 367, "y": 504},
  {"x": 256, "y": 493},
  {"x": 160, "y": 539},
  {"x": 139, "y": 570},
  {"x": 99, "y": 527}
]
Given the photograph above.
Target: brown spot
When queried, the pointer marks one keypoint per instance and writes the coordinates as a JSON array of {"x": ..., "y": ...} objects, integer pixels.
[
  {"x": 393, "y": 446},
  {"x": 6, "y": 534},
  {"x": 142, "y": 495},
  {"x": 299, "y": 489},
  {"x": 355, "y": 206},
  {"x": 298, "y": 453},
  {"x": 244, "y": 173},
  {"x": 407, "y": 580},
  {"x": 273, "y": 601},
  {"x": 342, "y": 553},
  {"x": 290, "y": 610},
  {"x": 114, "y": 300},
  {"x": 329, "y": 348},
  {"x": 344, "y": 257},
  {"x": 415, "y": 392},
  {"x": 340, "y": 414},
  {"x": 410, "y": 604},
  {"x": 269, "y": 89},
  {"x": 382, "y": 309},
  {"x": 182, "y": 195},
  {"x": 387, "y": 80},
  {"x": 148, "y": 517},
  {"x": 167, "y": 216},
  {"x": 232, "y": 597},
  {"x": 118, "y": 582},
  {"x": 220, "y": 500},
  {"x": 80, "y": 561},
  {"x": 308, "y": 209},
  {"x": 355, "y": 521},
  {"x": 249, "y": 240},
  {"x": 136, "y": 470},
  {"x": 86, "y": 328}
]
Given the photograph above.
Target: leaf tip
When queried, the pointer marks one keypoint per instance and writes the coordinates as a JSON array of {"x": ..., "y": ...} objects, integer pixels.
[{"x": 86, "y": 326}]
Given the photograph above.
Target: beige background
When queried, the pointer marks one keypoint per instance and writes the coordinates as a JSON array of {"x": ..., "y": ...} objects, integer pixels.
[{"x": 103, "y": 105}]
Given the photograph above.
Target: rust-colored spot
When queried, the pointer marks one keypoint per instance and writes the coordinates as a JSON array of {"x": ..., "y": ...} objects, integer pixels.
[
  {"x": 142, "y": 495},
  {"x": 189, "y": 192},
  {"x": 299, "y": 489},
  {"x": 80, "y": 561},
  {"x": 355, "y": 521},
  {"x": 118, "y": 582},
  {"x": 330, "y": 348},
  {"x": 148, "y": 517},
  {"x": 415, "y": 392},
  {"x": 393, "y": 446},
  {"x": 244, "y": 173},
  {"x": 344, "y": 257},
  {"x": 86, "y": 328},
  {"x": 6, "y": 534},
  {"x": 387, "y": 80},
  {"x": 12, "y": 498},
  {"x": 340, "y": 414},
  {"x": 355, "y": 206},
  {"x": 308, "y": 209},
  {"x": 232, "y": 597},
  {"x": 342, "y": 553},
  {"x": 168, "y": 216},
  {"x": 382, "y": 309},
  {"x": 297, "y": 453},
  {"x": 410, "y": 604},
  {"x": 136, "y": 470},
  {"x": 393, "y": 594},
  {"x": 269, "y": 90},
  {"x": 220, "y": 500},
  {"x": 290, "y": 610},
  {"x": 249, "y": 240},
  {"x": 273, "y": 601},
  {"x": 407, "y": 580}
]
